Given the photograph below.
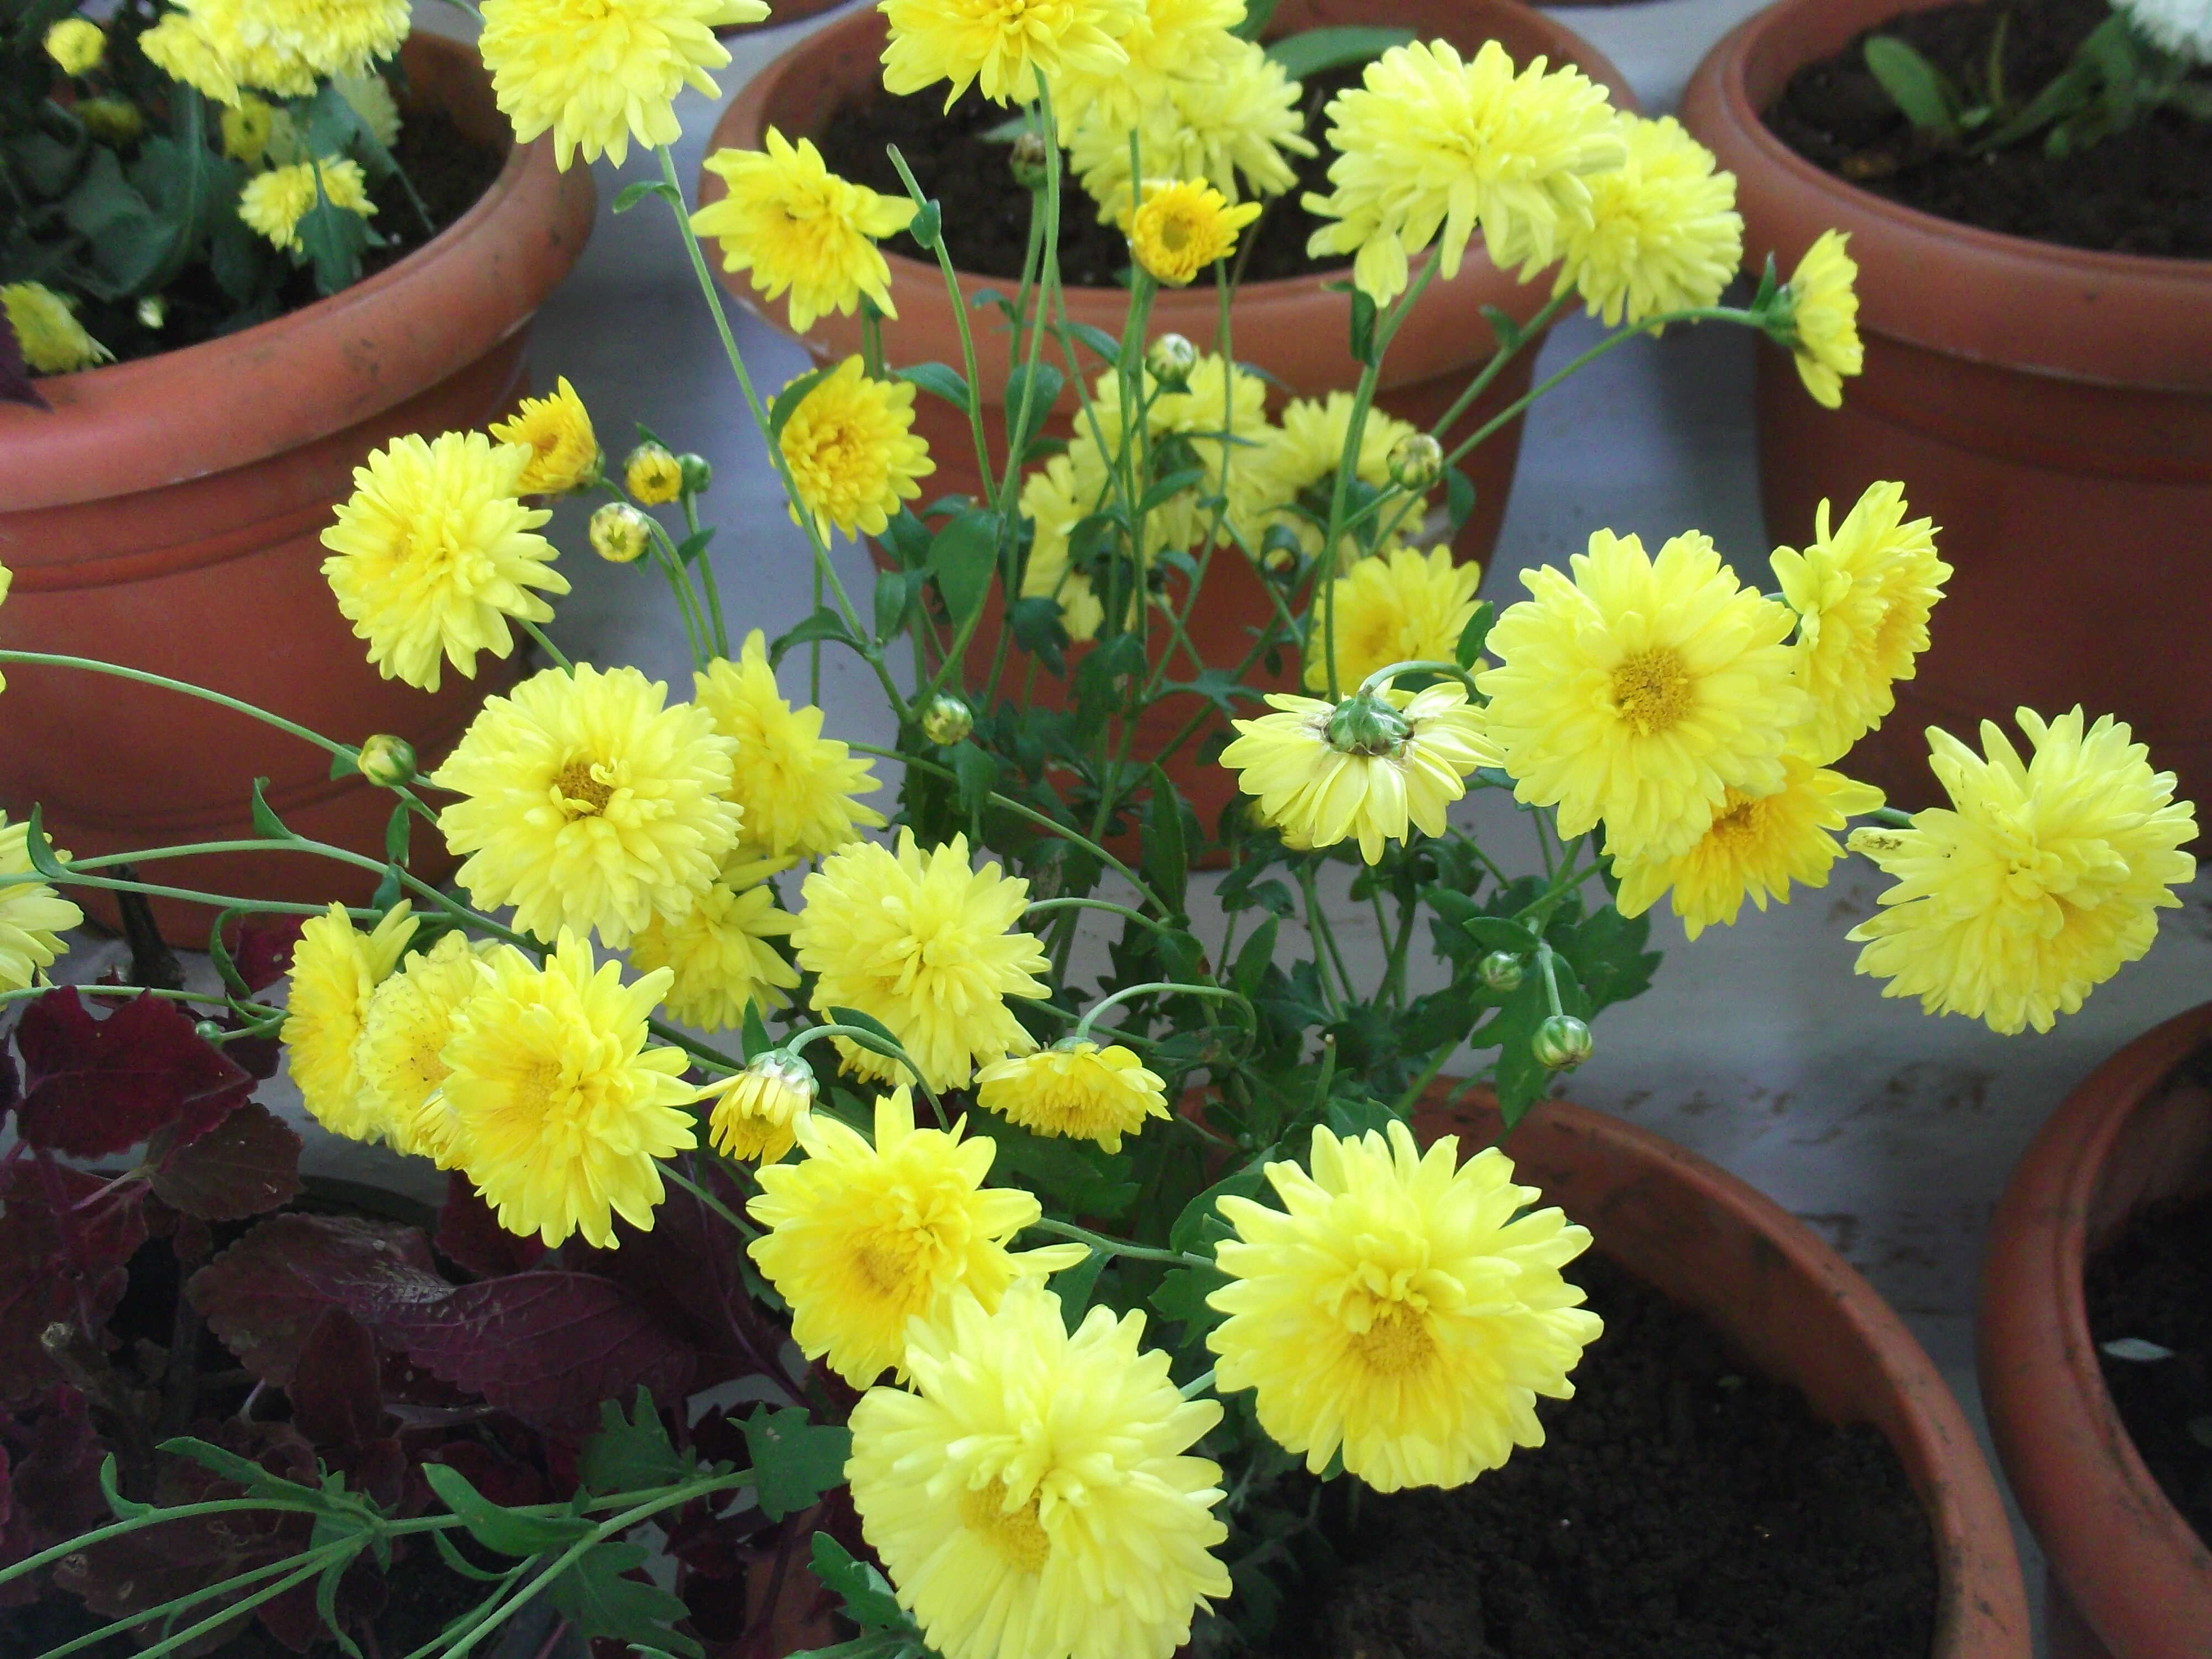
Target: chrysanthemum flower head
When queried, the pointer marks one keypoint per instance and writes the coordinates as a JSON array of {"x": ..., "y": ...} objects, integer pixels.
[
  {"x": 284, "y": 47},
  {"x": 1231, "y": 126},
  {"x": 33, "y": 917},
  {"x": 2041, "y": 880},
  {"x": 1821, "y": 318},
  {"x": 53, "y": 341},
  {"x": 797, "y": 786},
  {"x": 1003, "y": 46},
  {"x": 1164, "y": 43},
  {"x": 1078, "y": 1090},
  {"x": 336, "y": 969},
  {"x": 719, "y": 949},
  {"x": 273, "y": 202},
  {"x": 182, "y": 50},
  {"x": 1182, "y": 228},
  {"x": 556, "y": 430},
  {"x": 433, "y": 551},
  {"x": 864, "y": 1237},
  {"x": 369, "y": 96},
  {"x": 1032, "y": 1496},
  {"x": 853, "y": 452},
  {"x": 75, "y": 45},
  {"x": 1369, "y": 767},
  {"x": 1663, "y": 233},
  {"x": 399, "y": 1059},
  {"x": 1399, "y": 606},
  {"x": 1400, "y": 1308},
  {"x": 586, "y": 804},
  {"x": 758, "y": 1111},
  {"x": 561, "y": 1107},
  {"x": 1430, "y": 143},
  {"x": 247, "y": 129},
  {"x": 1641, "y": 692},
  {"x": 1294, "y": 465},
  {"x": 1055, "y": 498},
  {"x": 926, "y": 946},
  {"x": 796, "y": 225},
  {"x": 1863, "y": 594}
]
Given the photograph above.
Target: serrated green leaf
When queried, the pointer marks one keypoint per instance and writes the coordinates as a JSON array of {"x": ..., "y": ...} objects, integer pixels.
[
  {"x": 1246, "y": 1181},
  {"x": 498, "y": 1528},
  {"x": 964, "y": 557},
  {"x": 1317, "y": 52},
  {"x": 1181, "y": 1296},
  {"x": 788, "y": 400},
  {"x": 1521, "y": 1079},
  {"x": 794, "y": 1459},
  {"x": 869, "y": 1601},
  {"x": 1501, "y": 933},
  {"x": 632, "y": 1452},
  {"x": 1074, "y": 1285},
  {"x": 1077, "y": 1177},
  {"x": 600, "y": 1599},
  {"x": 976, "y": 774}
]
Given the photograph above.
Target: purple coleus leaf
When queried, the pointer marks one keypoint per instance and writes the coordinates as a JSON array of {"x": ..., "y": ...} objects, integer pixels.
[
  {"x": 336, "y": 1399},
  {"x": 95, "y": 1087},
  {"x": 15, "y": 387},
  {"x": 470, "y": 1234},
  {"x": 58, "y": 1262},
  {"x": 247, "y": 1163},
  {"x": 262, "y": 950},
  {"x": 51, "y": 1492}
]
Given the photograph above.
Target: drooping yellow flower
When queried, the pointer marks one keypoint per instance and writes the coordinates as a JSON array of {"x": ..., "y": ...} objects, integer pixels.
[
  {"x": 76, "y": 44},
  {"x": 1429, "y": 144},
  {"x": 280, "y": 46},
  {"x": 1078, "y": 1090},
  {"x": 796, "y": 225},
  {"x": 1370, "y": 767},
  {"x": 1755, "y": 847},
  {"x": 852, "y": 452},
  {"x": 433, "y": 553},
  {"x": 1232, "y": 128},
  {"x": 335, "y": 971},
  {"x": 2041, "y": 881},
  {"x": 597, "y": 73},
  {"x": 33, "y": 917},
  {"x": 1032, "y": 1497},
  {"x": 758, "y": 1111},
  {"x": 1663, "y": 234},
  {"x": 556, "y": 430},
  {"x": 862, "y": 1239},
  {"x": 53, "y": 341},
  {"x": 1824, "y": 318},
  {"x": 400, "y": 1057},
  {"x": 1400, "y": 606},
  {"x": 1295, "y": 464},
  {"x": 1404, "y": 1310},
  {"x": 561, "y": 1106},
  {"x": 586, "y": 804},
  {"x": 273, "y": 202},
  {"x": 1641, "y": 692},
  {"x": 797, "y": 786},
  {"x": 1862, "y": 595},
  {"x": 719, "y": 950},
  {"x": 1001, "y": 46},
  {"x": 1183, "y": 228},
  {"x": 926, "y": 946}
]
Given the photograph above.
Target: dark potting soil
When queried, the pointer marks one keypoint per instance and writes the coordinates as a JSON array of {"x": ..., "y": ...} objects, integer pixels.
[
  {"x": 1679, "y": 1508},
  {"x": 2154, "y": 1284},
  {"x": 987, "y": 213},
  {"x": 2145, "y": 190}
]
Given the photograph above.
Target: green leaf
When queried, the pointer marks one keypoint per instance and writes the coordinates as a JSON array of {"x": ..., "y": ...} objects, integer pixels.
[
  {"x": 388, "y": 889},
  {"x": 689, "y": 549},
  {"x": 963, "y": 556},
  {"x": 753, "y": 1039},
  {"x": 788, "y": 400},
  {"x": 632, "y": 1453},
  {"x": 1191, "y": 1227},
  {"x": 1074, "y": 1285},
  {"x": 600, "y": 1599},
  {"x": 1254, "y": 957},
  {"x": 1074, "y": 1175},
  {"x": 926, "y": 226},
  {"x": 129, "y": 240},
  {"x": 1362, "y": 328},
  {"x": 326, "y": 1602},
  {"x": 976, "y": 774},
  {"x": 398, "y": 830},
  {"x": 461, "y": 1564},
  {"x": 1170, "y": 487},
  {"x": 1181, "y": 1297},
  {"x": 346, "y": 764},
  {"x": 39, "y": 850},
  {"x": 498, "y": 1528},
  {"x": 907, "y": 536},
  {"x": 794, "y": 1460},
  {"x": 1608, "y": 954},
  {"x": 938, "y": 379},
  {"x": 2136, "y": 1350},
  {"x": 1521, "y": 1078},
  {"x": 893, "y": 590},
  {"x": 1103, "y": 345},
  {"x": 1315, "y": 51},
  {"x": 1503, "y": 325},
  {"x": 1046, "y": 388},
  {"x": 121, "y": 1507},
  {"x": 1166, "y": 859},
  {"x": 869, "y": 1601},
  {"x": 630, "y": 195},
  {"x": 1257, "y": 15},
  {"x": 1502, "y": 933},
  {"x": 824, "y": 624},
  {"x": 884, "y": 1043},
  {"x": 1473, "y": 637},
  {"x": 1459, "y": 498},
  {"x": 266, "y": 823},
  {"x": 1350, "y": 1117},
  {"x": 1916, "y": 86},
  {"x": 243, "y": 1471}
]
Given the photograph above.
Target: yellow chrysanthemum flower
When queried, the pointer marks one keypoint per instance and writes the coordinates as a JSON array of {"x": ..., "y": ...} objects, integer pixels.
[
  {"x": 861, "y": 1238},
  {"x": 1215, "y": 398},
  {"x": 1755, "y": 847},
  {"x": 53, "y": 341},
  {"x": 1641, "y": 692},
  {"x": 433, "y": 553},
  {"x": 1400, "y": 606},
  {"x": 1374, "y": 768},
  {"x": 77, "y": 44},
  {"x": 247, "y": 128},
  {"x": 1183, "y": 228},
  {"x": 1823, "y": 317},
  {"x": 115, "y": 122},
  {"x": 926, "y": 946},
  {"x": 280, "y": 46},
  {"x": 335, "y": 971},
  {"x": 652, "y": 475},
  {"x": 1862, "y": 595},
  {"x": 758, "y": 1111},
  {"x": 1002, "y": 46},
  {"x": 182, "y": 50},
  {"x": 796, "y": 225},
  {"x": 1428, "y": 143},
  {"x": 2039, "y": 885},
  {"x": 33, "y": 917},
  {"x": 597, "y": 73},
  {"x": 1235, "y": 123},
  {"x": 1663, "y": 232},
  {"x": 1163, "y": 42},
  {"x": 399, "y": 1059},
  {"x": 797, "y": 786},
  {"x": 560, "y": 1106},
  {"x": 586, "y": 804},
  {"x": 720, "y": 953},
  {"x": 1078, "y": 1090},
  {"x": 273, "y": 202},
  {"x": 369, "y": 96},
  {"x": 1405, "y": 1311},
  {"x": 1031, "y": 1497},
  {"x": 556, "y": 430},
  {"x": 1295, "y": 464},
  {"x": 1055, "y": 498},
  {"x": 852, "y": 452}
]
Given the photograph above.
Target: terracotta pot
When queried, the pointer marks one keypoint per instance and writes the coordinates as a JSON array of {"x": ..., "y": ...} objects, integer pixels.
[
  {"x": 166, "y": 514},
  {"x": 2036, "y": 401},
  {"x": 2131, "y": 1579},
  {"x": 1795, "y": 1312}
]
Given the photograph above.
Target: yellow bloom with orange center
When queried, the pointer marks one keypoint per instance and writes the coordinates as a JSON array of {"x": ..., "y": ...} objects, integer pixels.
[
  {"x": 853, "y": 452},
  {"x": 556, "y": 430},
  {"x": 1183, "y": 228}
]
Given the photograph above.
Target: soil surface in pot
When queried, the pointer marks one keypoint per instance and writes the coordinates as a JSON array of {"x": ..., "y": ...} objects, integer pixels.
[
  {"x": 1679, "y": 1508},
  {"x": 2145, "y": 190},
  {"x": 987, "y": 213},
  {"x": 2154, "y": 1284}
]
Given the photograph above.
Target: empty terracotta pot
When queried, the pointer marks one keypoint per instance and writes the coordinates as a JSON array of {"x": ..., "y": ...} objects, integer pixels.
[
  {"x": 2050, "y": 408},
  {"x": 2130, "y": 1578},
  {"x": 167, "y": 515}
]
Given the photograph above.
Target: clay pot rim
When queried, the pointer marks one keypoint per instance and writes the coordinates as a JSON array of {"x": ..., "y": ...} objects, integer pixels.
[
  {"x": 2010, "y": 299},
  {"x": 2073, "y": 1468}
]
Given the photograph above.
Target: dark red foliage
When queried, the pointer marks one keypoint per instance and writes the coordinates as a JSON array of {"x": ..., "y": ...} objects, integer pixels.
[
  {"x": 261, "y": 949},
  {"x": 57, "y": 1262},
  {"x": 95, "y": 1087},
  {"x": 247, "y": 1165},
  {"x": 264, "y": 1294},
  {"x": 15, "y": 383},
  {"x": 470, "y": 1234},
  {"x": 51, "y": 1492}
]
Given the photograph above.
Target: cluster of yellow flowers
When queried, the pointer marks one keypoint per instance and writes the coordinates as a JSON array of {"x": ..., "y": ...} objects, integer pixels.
[{"x": 229, "y": 48}]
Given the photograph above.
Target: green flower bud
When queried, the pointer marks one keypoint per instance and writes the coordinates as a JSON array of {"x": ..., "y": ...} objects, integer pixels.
[
  {"x": 947, "y": 719},
  {"x": 619, "y": 533},
  {"x": 698, "y": 473},
  {"x": 1417, "y": 461},
  {"x": 1171, "y": 358},
  {"x": 208, "y": 1031},
  {"x": 1561, "y": 1044},
  {"x": 1029, "y": 158},
  {"x": 1365, "y": 724},
  {"x": 153, "y": 311},
  {"x": 386, "y": 761},
  {"x": 1500, "y": 971}
]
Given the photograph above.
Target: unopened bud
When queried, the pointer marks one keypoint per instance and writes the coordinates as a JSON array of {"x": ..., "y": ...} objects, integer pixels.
[
  {"x": 1365, "y": 724},
  {"x": 947, "y": 719},
  {"x": 208, "y": 1031},
  {"x": 114, "y": 121},
  {"x": 153, "y": 311},
  {"x": 698, "y": 472},
  {"x": 387, "y": 761},
  {"x": 1561, "y": 1044},
  {"x": 1028, "y": 159},
  {"x": 1171, "y": 358},
  {"x": 619, "y": 533},
  {"x": 1417, "y": 461},
  {"x": 652, "y": 475},
  {"x": 1501, "y": 971}
]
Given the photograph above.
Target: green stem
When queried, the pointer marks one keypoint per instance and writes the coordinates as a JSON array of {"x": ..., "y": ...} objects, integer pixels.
[
  {"x": 1317, "y": 925},
  {"x": 1156, "y": 987},
  {"x": 560, "y": 659},
  {"x": 31, "y": 1564},
  {"x": 984, "y": 468},
  {"x": 1406, "y": 1102},
  {"x": 743, "y": 1228},
  {"x": 139, "y": 676},
  {"x": 1533, "y": 329},
  {"x": 310, "y": 1565},
  {"x": 1121, "y": 910},
  {"x": 1116, "y": 1247},
  {"x": 705, "y": 566},
  {"x": 1383, "y": 677}
]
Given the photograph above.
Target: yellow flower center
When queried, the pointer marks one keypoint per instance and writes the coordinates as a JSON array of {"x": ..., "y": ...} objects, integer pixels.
[
  {"x": 1019, "y": 1535},
  {"x": 1396, "y": 1341},
  {"x": 581, "y": 789},
  {"x": 1175, "y": 233},
  {"x": 1738, "y": 824},
  {"x": 1651, "y": 690}
]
